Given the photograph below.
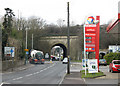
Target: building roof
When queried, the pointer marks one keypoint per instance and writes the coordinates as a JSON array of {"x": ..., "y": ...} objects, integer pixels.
[{"x": 114, "y": 25}]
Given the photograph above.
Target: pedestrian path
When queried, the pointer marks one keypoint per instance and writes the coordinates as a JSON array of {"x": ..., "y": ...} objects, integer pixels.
[{"x": 73, "y": 78}]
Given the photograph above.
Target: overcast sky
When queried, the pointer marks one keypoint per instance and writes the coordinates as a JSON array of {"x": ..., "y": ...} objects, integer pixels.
[{"x": 52, "y": 10}]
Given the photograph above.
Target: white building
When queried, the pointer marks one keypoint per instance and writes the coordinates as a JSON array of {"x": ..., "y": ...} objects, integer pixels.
[{"x": 114, "y": 48}]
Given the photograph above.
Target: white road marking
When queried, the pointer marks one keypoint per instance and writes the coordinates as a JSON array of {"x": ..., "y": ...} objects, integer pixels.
[
  {"x": 41, "y": 70},
  {"x": 84, "y": 79},
  {"x": 62, "y": 79},
  {"x": 18, "y": 78},
  {"x": 29, "y": 75},
  {"x": 1, "y": 84},
  {"x": 4, "y": 83},
  {"x": 23, "y": 69},
  {"x": 34, "y": 73},
  {"x": 37, "y": 72}
]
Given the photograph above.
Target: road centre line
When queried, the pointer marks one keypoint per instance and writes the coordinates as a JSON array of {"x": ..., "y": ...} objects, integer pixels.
[
  {"x": 18, "y": 78},
  {"x": 34, "y": 73},
  {"x": 29, "y": 75}
]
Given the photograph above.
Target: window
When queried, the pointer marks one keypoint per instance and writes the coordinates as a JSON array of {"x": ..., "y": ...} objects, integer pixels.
[{"x": 116, "y": 62}]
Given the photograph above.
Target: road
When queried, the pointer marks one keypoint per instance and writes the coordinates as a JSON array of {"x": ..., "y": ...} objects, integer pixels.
[
  {"x": 110, "y": 78},
  {"x": 51, "y": 73}
]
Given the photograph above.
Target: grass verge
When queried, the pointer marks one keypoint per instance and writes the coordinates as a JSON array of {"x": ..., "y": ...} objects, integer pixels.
[{"x": 91, "y": 75}]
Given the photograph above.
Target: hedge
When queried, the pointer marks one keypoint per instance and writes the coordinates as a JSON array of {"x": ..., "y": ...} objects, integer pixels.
[{"x": 112, "y": 56}]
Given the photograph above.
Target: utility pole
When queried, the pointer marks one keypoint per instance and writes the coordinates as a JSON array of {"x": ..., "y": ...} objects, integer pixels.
[
  {"x": 32, "y": 41},
  {"x": 26, "y": 48},
  {"x": 26, "y": 38},
  {"x": 68, "y": 40}
]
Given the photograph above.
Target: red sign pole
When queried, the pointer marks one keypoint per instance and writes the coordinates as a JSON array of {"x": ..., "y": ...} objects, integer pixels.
[{"x": 97, "y": 40}]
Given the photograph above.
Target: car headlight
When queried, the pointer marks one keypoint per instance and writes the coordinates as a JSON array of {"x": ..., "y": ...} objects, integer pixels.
[{"x": 114, "y": 66}]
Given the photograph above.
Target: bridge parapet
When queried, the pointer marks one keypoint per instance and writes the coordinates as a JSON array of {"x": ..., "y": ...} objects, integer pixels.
[{"x": 60, "y": 37}]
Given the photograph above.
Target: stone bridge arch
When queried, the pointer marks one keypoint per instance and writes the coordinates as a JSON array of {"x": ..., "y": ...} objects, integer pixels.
[
  {"x": 51, "y": 41},
  {"x": 63, "y": 47}
]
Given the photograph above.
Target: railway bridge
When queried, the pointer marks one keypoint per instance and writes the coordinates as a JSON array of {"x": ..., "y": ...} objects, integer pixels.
[{"x": 48, "y": 42}]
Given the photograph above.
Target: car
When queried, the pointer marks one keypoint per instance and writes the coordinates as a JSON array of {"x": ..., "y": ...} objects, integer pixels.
[
  {"x": 102, "y": 62},
  {"x": 65, "y": 60},
  {"x": 114, "y": 66}
]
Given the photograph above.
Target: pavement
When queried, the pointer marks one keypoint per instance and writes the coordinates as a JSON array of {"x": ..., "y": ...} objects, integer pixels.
[{"x": 75, "y": 78}]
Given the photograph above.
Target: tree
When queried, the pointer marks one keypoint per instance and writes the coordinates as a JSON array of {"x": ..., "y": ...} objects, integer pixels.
[
  {"x": 8, "y": 20},
  {"x": 60, "y": 23},
  {"x": 36, "y": 23},
  {"x": 7, "y": 24}
]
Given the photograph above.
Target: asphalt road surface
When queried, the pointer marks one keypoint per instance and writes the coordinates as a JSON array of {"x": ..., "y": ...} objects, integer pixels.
[{"x": 38, "y": 74}]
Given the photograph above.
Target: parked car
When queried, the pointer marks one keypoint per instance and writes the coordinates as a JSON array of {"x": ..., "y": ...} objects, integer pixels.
[
  {"x": 114, "y": 66},
  {"x": 65, "y": 60},
  {"x": 102, "y": 62}
]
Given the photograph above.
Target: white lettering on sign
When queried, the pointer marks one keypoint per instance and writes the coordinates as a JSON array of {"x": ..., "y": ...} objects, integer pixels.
[
  {"x": 92, "y": 62},
  {"x": 90, "y": 34},
  {"x": 90, "y": 25},
  {"x": 90, "y": 45},
  {"x": 9, "y": 51},
  {"x": 90, "y": 30}
]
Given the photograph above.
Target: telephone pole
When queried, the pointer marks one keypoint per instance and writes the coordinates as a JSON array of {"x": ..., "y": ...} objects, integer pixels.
[{"x": 68, "y": 40}]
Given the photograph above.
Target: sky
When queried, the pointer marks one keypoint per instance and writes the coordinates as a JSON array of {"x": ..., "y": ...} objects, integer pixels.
[{"x": 52, "y": 10}]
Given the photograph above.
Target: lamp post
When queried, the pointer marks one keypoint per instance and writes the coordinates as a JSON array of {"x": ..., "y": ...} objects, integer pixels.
[
  {"x": 32, "y": 41},
  {"x": 68, "y": 40}
]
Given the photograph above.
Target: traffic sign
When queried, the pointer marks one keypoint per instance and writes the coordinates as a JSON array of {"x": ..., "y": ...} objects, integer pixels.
[
  {"x": 26, "y": 49},
  {"x": 47, "y": 55},
  {"x": 9, "y": 51},
  {"x": 27, "y": 52}
]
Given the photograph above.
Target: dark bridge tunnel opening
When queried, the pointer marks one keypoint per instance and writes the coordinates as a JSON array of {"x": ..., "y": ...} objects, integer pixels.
[{"x": 63, "y": 47}]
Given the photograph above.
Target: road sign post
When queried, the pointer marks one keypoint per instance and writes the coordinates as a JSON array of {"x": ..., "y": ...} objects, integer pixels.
[
  {"x": 26, "y": 55},
  {"x": 9, "y": 52}
]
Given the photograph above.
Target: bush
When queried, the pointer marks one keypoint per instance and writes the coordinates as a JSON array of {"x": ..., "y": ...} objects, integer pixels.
[{"x": 112, "y": 56}]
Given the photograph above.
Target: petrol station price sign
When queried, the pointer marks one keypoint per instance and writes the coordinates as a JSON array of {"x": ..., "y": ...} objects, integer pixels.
[{"x": 90, "y": 34}]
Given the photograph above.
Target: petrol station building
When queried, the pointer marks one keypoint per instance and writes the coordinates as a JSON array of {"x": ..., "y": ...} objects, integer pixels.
[{"x": 114, "y": 27}]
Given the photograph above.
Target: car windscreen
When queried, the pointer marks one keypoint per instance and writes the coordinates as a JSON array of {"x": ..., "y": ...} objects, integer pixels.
[
  {"x": 116, "y": 62},
  {"x": 39, "y": 55},
  {"x": 102, "y": 60}
]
